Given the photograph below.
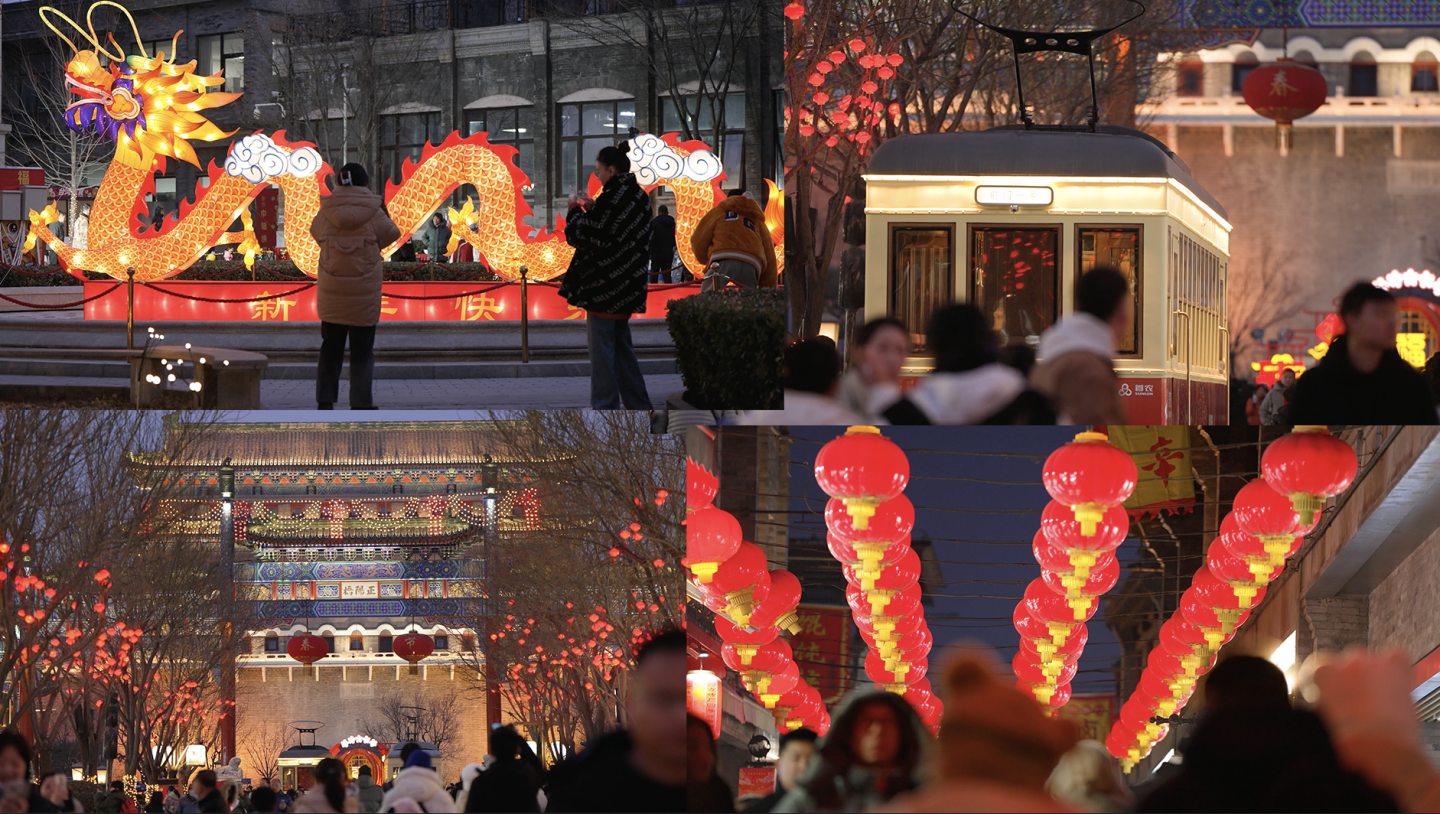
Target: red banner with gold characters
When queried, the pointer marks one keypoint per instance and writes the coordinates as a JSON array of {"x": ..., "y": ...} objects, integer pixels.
[
  {"x": 267, "y": 216},
  {"x": 822, "y": 650},
  {"x": 458, "y": 302},
  {"x": 702, "y": 697},
  {"x": 1092, "y": 714},
  {"x": 1162, "y": 456}
]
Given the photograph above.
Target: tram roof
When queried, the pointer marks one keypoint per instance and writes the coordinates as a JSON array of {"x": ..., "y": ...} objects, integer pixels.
[{"x": 1116, "y": 152}]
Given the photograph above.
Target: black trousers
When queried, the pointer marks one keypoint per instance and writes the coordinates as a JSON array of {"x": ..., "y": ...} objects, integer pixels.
[{"x": 332, "y": 358}]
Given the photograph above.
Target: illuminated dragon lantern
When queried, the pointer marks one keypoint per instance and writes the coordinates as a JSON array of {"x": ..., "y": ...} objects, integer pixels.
[{"x": 150, "y": 106}]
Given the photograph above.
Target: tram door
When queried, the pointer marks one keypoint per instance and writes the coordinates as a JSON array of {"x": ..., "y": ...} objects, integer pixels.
[
  {"x": 1013, "y": 279},
  {"x": 921, "y": 280}
]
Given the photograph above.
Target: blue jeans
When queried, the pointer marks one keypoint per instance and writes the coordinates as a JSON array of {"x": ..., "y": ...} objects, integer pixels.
[{"x": 614, "y": 370}]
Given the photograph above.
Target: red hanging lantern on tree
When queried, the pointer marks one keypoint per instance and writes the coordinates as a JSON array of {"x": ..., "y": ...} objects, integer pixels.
[
  {"x": 778, "y": 609},
  {"x": 1285, "y": 91},
  {"x": 1265, "y": 513},
  {"x": 307, "y": 648},
  {"x": 1063, "y": 531},
  {"x": 413, "y": 647},
  {"x": 864, "y": 469},
  {"x": 1089, "y": 475},
  {"x": 1309, "y": 466},
  {"x": 712, "y": 536}
]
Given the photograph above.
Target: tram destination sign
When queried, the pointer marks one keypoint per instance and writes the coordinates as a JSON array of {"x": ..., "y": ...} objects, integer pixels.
[{"x": 1014, "y": 196}]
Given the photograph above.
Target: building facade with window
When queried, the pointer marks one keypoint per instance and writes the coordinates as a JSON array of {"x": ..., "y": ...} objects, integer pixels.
[
  {"x": 1355, "y": 197},
  {"x": 555, "y": 80},
  {"x": 359, "y": 533}
]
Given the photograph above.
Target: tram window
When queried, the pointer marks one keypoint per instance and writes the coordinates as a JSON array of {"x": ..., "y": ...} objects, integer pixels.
[
  {"x": 921, "y": 275},
  {"x": 1014, "y": 279},
  {"x": 1119, "y": 249}
]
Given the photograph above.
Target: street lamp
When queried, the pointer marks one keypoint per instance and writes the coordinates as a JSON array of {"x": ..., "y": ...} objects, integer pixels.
[{"x": 77, "y": 773}]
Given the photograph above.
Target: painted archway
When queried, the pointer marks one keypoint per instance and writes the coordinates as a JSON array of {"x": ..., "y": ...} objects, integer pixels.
[{"x": 1418, "y": 337}]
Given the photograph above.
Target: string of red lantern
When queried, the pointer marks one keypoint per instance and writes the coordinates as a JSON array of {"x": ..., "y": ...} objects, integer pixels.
[
  {"x": 1088, "y": 479},
  {"x": 752, "y": 604},
  {"x": 1266, "y": 525},
  {"x": 869, "y": 523}
]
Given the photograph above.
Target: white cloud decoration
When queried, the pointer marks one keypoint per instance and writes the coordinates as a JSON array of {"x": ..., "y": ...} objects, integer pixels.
[
  {"x": 257, "y": 157},
  {"x": 653, "y": 161}
]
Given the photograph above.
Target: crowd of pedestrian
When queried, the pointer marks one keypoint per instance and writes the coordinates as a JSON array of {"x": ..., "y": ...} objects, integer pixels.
[
  {"x": 1357, "y": 748},
  {"x": 640, "y": 768},
  {"x": 1071, "y": 379}
]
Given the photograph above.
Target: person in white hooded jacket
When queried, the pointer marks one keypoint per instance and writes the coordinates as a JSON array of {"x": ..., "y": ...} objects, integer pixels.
[
  {"x": 968, "y": 385},
  {"x": 1076, "y": 369},
  {"x": 418, "y": 781}
]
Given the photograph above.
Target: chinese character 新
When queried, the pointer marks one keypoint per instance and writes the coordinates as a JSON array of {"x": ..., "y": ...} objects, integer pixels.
[{"x": 267, "y": 310}]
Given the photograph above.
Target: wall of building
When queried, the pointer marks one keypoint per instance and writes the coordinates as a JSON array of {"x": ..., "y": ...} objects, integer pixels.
[
  {"x": 343, "y": 698},
  {"x": 1405, "y": 608}
]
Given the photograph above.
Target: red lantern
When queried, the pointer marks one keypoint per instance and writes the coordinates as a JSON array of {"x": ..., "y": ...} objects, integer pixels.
[
  {"x": 771, "y": 686},
  {"x": 1069, "y": 654},
  {"x": 1053, "y": 609},
  {"x": 1186, "y": 641},
  {"x": 887, "y": 524},
  {"x": 1235, "y": 572},
  {"x": 1083, "y": 598},
  {"x": 1124, "y": 744},
  {"x": 1034, "y": 633},
  {"x": 1056, "y": 559},
  {"x": 778, "y": 609},
  {"x": 307, "y": 648},
  {"x": 897, "y": 575},
  {"x": 882, "y": 629},
  {"x": 1167, "y": 691},
  {"x": 1138, "y": 711},
  {"x": 1036, "y": 672},
  {"x": 898, "y": 578},
  {"x": 712, "y": 536},
  {"x": 845, "y": 552},
  {"x": 1221, "y": 597},
  {"x": 1252, "y": 550},
  {"x": 743, "y": 580},
  {"x": 908, "y": 645},
  {"x": 902, "y": 603},
  {"x": 700, "y": 486},
  {"x": 1062, "y": 530},
  {"x": 763, "y": 658},
  {"x": 794, "y": 10},
  {"x": 413, "y": 647},
  {"x": 758, "y": 635},
  {"x": 864, "y": 469},
  {"x": 1284, "y": 92},
  {"x": 1267, "y": 514},
  {"x": 796, "y": 697},
  {"x": 1309, "y": 465},
  {"x": 1089, "y": 475},
  {"x": 902, "y": 674},
  {"x": 1199, "y": 613}
]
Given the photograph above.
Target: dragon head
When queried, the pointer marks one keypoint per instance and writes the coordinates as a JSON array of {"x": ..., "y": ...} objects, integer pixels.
[{"x": 149, "y": 106}]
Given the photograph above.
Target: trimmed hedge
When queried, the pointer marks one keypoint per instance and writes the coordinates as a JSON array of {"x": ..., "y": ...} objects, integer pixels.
[
  {"x": 272, "y": 271},
  {"x": 729, "y": 346}
]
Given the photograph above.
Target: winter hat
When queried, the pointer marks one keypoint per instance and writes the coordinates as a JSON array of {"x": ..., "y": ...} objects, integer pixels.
[{"x": 419, "y": 758}]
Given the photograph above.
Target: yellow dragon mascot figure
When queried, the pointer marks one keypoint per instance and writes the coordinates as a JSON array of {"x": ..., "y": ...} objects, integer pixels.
[{"x": 150, "y": 106}]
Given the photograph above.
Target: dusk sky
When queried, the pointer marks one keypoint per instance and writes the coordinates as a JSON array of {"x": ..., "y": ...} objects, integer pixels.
[{"x": 978, "y": 496}]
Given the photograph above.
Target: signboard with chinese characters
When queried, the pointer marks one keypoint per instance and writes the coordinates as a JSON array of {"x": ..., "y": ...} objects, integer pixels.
[
  {"x": 1014, "y": 196},
  {"x": 756, "y": 781},
  {"x": 822, "y": 649},
  {"x": 702, "y": 698},
  {"x": 1091, "y": 713},
  {"x": 267, "y": 216},
  {"x": 359, "y": 590}
]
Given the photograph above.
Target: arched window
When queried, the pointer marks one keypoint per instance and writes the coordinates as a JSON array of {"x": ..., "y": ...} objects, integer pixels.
[
  {"x": 1364, "y": 75},
  {"x": 357, "y": 642},
  {"x": 272, "y": 643},
  {"x": 1307, "y": 59},
  {"x": 1245, "y": 62},
  {"x": 1423, "y": 73},
  {"x": 1190, "y": 79}
]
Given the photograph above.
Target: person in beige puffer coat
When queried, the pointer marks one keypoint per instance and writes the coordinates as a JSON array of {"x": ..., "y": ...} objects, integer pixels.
[{"x": 351, "y": 228}]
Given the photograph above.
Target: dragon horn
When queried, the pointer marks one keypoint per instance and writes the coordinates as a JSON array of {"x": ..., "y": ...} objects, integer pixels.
[
  {"x": 44, "y": 18},
  {"x": 120, "y": 57}
]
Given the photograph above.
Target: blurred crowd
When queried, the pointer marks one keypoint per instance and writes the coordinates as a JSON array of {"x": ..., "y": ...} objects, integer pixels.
[{"x": 1354, "y": 747}]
